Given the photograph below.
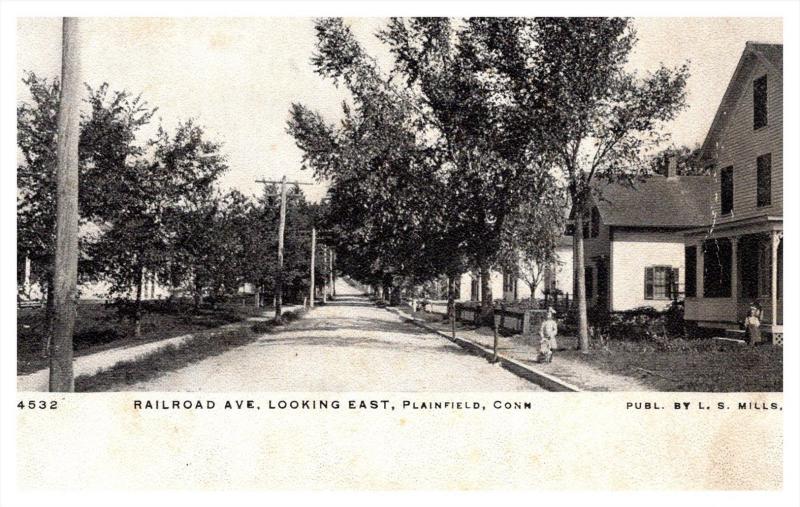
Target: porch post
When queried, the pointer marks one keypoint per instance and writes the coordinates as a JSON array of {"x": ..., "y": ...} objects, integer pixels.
[
  {"x": 700, "y": 269},
  {"x": 774, "y": 278}
]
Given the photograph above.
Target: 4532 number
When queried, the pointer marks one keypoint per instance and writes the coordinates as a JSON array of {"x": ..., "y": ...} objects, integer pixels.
[{"x": 41, "y": 404}]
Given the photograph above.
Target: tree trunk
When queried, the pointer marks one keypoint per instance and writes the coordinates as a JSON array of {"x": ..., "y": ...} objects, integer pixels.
[
  {"x": 583, "y": 321},
  {"x": 487, "y": 301},
  {"x": 532, "y": 288},
  {"x": 137, "y": 305},
  {"x": 197, "y": 294},
  {"x": 66, "y": 253}
]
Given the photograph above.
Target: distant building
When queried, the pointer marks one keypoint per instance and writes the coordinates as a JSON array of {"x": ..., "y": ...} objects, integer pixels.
[
  {"x": 506, "y": 286},
  {"x": 735, "y": 257}
]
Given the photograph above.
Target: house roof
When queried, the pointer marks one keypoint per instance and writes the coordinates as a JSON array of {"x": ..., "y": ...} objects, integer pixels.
[
  {"x": 771, "y": 55},
  {"x": 656, "y": 201}
]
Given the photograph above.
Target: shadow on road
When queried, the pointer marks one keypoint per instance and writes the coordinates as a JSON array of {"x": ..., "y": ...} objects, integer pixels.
[
  {"x": 437, "y": 347},
  {"x": 350, "y": 301}
]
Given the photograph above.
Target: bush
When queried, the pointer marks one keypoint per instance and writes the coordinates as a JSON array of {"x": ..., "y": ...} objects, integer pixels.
[
  {"x": 643, "y": 323},
  {"x": 263, "y": 326}
]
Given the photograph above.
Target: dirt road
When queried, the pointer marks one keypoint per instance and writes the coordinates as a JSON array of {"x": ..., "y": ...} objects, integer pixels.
[{"x": 347, "y": 345}]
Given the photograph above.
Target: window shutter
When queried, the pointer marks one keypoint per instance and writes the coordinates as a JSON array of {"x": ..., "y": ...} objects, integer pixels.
[
  {"x": 673, "y": 285},
  {"x": 648, "y": 283}
]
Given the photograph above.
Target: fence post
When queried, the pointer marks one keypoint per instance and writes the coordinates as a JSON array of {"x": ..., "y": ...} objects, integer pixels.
[
  {"x": 526, "y": 323},
  {"x": 494, "y": 354}
]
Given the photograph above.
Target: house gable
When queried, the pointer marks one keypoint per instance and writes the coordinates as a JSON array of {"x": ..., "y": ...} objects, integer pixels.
[{"x": 737, "y": 145}]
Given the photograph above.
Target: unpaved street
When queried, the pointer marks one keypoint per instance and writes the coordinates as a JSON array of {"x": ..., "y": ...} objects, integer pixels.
[{"x": 348, "y": 345}]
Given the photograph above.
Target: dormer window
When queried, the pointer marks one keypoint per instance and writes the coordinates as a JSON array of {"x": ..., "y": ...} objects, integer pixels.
[{"x": 760, "y": 115}]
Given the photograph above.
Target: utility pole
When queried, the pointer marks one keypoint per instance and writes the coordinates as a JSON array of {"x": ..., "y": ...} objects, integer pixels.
[
  {"x": 325, "y": 279},
  {"x": 65, "y": 272},
  {"x": 330, "y": 272},
  {"x": 312, "y": 290},
  {"x": 281, "y": 229}
]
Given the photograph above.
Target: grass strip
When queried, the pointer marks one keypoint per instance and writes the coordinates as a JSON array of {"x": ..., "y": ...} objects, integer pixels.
[{"x": 174, "y": 357}]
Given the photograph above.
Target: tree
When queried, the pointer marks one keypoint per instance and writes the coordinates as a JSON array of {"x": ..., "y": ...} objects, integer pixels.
[
  {"x": 187, "y": 166},
  {"x": 448, "y": 142},
  {"x": 532, "y": 234},
  {"x": 382, "y": 178},
  {"x": 595, "y": 118},
  {"x": 107, "y": 143},
  {"x": 686, "y": 161},
  {"x": 488, "y": 164}
]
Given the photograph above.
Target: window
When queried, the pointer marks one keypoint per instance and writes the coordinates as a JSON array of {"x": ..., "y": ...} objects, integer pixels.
[
  {"x": 760, "y": 116},
  {"x": 660, "y": 282},
  {"x": 509, "y": 282},
  {"x": 726, "y": 190},
  {"x": 588, "y": 277},
  {"x": 717, "y": 268},
  {"x": 764, "y": 177},
  {"x": 690, "y": 275},
  {"x": 595, "y": 222}
]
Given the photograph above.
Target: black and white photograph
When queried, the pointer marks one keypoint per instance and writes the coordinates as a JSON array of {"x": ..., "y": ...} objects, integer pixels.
[
  {"x": 409, "y": 218},
  {"x": 421, "y": 193}
]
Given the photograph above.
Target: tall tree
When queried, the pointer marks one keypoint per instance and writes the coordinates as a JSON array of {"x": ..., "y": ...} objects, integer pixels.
[
  {"x": 188, "y": 165},
  {"x": 594, "y": 117},
  {"x": 107, "y": 142},
  {"x": 532, "y": 234},
  {"x": 485, "y": 163},
  {"x": 382, "y": 178}
]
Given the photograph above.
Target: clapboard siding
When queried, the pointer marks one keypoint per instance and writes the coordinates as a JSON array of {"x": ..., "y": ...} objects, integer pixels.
[{"x": 740, "y": 145}]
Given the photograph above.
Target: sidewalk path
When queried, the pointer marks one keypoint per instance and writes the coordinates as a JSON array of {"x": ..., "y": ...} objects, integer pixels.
[
  {"x": 92, "y": 363},
  {"x": 525, "y": 350}
]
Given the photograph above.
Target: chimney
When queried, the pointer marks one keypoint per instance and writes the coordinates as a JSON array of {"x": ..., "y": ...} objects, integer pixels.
[{"x": 672, "y": 167}]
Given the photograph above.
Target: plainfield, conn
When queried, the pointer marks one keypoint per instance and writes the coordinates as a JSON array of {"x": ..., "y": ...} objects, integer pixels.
[{"x": 699, "y": 405}]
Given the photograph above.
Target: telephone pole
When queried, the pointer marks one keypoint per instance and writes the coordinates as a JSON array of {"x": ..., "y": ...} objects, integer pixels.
[
  {"x": 330, "y": 272},
  {"x": 313, "y": 262},
  {"x": 281, "y": 230},
  {"x": 65, "y": 272}
]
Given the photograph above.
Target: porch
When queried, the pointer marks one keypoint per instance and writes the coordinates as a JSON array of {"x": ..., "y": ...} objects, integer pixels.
[{"x": 734, "y": 269}]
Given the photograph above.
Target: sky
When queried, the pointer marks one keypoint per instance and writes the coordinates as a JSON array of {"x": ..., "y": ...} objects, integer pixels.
[{"x": 239, "y": 76}]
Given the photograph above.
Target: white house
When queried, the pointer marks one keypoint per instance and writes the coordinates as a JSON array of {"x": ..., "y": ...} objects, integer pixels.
[
  {"x": 735, "y": 257},
  {"x": 633, "y": 248}
]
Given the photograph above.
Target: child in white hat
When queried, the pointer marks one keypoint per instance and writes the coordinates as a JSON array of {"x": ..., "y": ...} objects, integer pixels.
[{"x": 547, "y": 334}]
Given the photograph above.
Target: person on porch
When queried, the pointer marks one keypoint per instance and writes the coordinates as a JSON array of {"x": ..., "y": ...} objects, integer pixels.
[{"x": 752, "y": 325}]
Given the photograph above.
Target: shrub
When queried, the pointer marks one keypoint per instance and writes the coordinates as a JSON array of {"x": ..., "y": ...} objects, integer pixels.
[
  {"x": 643, "y": 323},
  {"x": 263, "y": 326}
]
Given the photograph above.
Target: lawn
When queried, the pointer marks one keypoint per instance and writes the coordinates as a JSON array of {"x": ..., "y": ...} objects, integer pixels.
[
  {"x": 698, "y": 365},
  {"x": 677, "y": 364},
  {"x": 98, "y": 327}
]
